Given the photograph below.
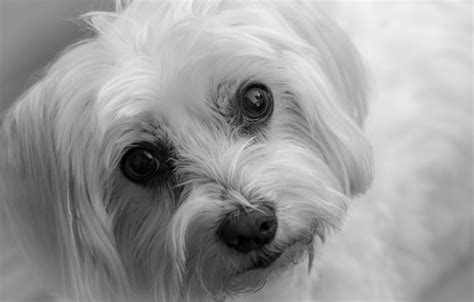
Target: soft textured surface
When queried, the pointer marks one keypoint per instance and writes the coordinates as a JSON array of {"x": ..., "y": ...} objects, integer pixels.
[{"x": 419, "y": 58}]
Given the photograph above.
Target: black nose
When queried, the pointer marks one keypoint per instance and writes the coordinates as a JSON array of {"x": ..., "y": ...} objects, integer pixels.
[{"x": 249, "y": 229}]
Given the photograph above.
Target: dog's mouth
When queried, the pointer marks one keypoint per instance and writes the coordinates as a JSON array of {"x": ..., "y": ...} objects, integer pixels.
[
  {"x": 265, "y": 260},
  {"x": 266, "y": 257}
]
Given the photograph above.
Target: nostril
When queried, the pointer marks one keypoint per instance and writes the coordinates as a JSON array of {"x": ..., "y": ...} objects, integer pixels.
[
  {"x": 249, "y": 230},
  {"x": 267, "y": 223}
]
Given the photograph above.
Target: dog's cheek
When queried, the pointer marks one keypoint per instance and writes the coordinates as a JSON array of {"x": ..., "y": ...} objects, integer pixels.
[{"x": 140, "y": 216}]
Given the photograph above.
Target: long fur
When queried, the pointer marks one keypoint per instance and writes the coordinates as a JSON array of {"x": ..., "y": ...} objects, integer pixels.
[{"x": 166, "y": 72}]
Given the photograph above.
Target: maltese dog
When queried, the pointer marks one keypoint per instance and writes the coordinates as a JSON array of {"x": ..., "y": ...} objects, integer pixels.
[{"x": 212, "y": 150}]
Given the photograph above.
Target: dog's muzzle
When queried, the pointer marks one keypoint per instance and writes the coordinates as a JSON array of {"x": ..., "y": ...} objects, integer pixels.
[{"x": 249, "y": 229}]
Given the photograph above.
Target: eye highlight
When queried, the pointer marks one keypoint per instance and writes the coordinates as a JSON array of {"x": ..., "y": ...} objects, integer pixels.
[
  {"x": 140, "y": 163},
  {"x": 256, "y": 102}
]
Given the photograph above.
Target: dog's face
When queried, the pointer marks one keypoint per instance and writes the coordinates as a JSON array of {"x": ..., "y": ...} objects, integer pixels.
[{"x": 198, "y": 148}]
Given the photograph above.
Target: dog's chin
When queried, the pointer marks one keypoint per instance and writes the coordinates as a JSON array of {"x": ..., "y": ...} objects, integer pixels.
[
  {"x": 268, "y": 264},
  {"x": 265, "y": 260},
  {"x": 271, "y": 257}
]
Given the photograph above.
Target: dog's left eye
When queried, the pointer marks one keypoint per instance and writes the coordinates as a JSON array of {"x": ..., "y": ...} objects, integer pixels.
[
  {"x": 140, "y": 164},
  {"x": 256, "y": 102}
]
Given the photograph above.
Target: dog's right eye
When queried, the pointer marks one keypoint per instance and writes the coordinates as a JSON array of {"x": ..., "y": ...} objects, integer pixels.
[
  {"x": 256, "y": 102},
  {"x": 140, "y": 164}
]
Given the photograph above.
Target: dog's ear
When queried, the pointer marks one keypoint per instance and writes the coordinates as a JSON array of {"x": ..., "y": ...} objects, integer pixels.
[
  {"x": 48, "y": 191},
  {"x": 29, "y": 180},
  {"x": 29, "y": 183},
  {"x": 333, "y": 94}
]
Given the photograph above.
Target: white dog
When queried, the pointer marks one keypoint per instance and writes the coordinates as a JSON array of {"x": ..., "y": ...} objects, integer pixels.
[{"x": 204, "y": 150}]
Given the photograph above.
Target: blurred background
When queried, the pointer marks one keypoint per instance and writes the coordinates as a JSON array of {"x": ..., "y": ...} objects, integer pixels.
[
  {"x": 402, "y": 42},
  {"x": 32, "y": 33}
]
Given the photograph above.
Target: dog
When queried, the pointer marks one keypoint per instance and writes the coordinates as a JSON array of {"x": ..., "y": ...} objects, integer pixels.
[{"x": 214, "y": 150}]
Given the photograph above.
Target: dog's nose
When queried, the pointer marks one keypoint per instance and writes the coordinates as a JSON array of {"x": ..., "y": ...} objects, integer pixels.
[{"x": 249, "y": 229}]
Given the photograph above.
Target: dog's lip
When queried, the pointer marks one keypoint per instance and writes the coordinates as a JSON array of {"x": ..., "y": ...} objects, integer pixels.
[{"x": 265, "y": 260}]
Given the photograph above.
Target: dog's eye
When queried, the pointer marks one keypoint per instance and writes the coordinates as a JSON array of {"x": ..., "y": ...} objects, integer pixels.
[
  {"x": 256, "y": 102},
  {"x": 140, "y": 164}
]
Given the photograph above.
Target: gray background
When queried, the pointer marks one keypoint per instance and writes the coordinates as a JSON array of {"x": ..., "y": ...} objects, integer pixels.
[{"x": 32, "y": 33}]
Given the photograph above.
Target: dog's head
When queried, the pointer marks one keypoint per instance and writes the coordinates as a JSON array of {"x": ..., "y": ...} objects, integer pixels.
[{"x": 189, "y": 149}]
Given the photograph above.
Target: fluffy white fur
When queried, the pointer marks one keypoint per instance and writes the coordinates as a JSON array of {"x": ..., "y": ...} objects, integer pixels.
[{"x": 168, "y": 71}]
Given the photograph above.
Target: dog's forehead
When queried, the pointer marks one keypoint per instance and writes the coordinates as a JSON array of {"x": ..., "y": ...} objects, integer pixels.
[{"x": 180, "y": 62}]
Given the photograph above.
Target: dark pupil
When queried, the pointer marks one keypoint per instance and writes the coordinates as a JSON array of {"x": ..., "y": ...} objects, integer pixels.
[
  {"x": 255, "y": 103},
  {"x": 141, "y": 164}
]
